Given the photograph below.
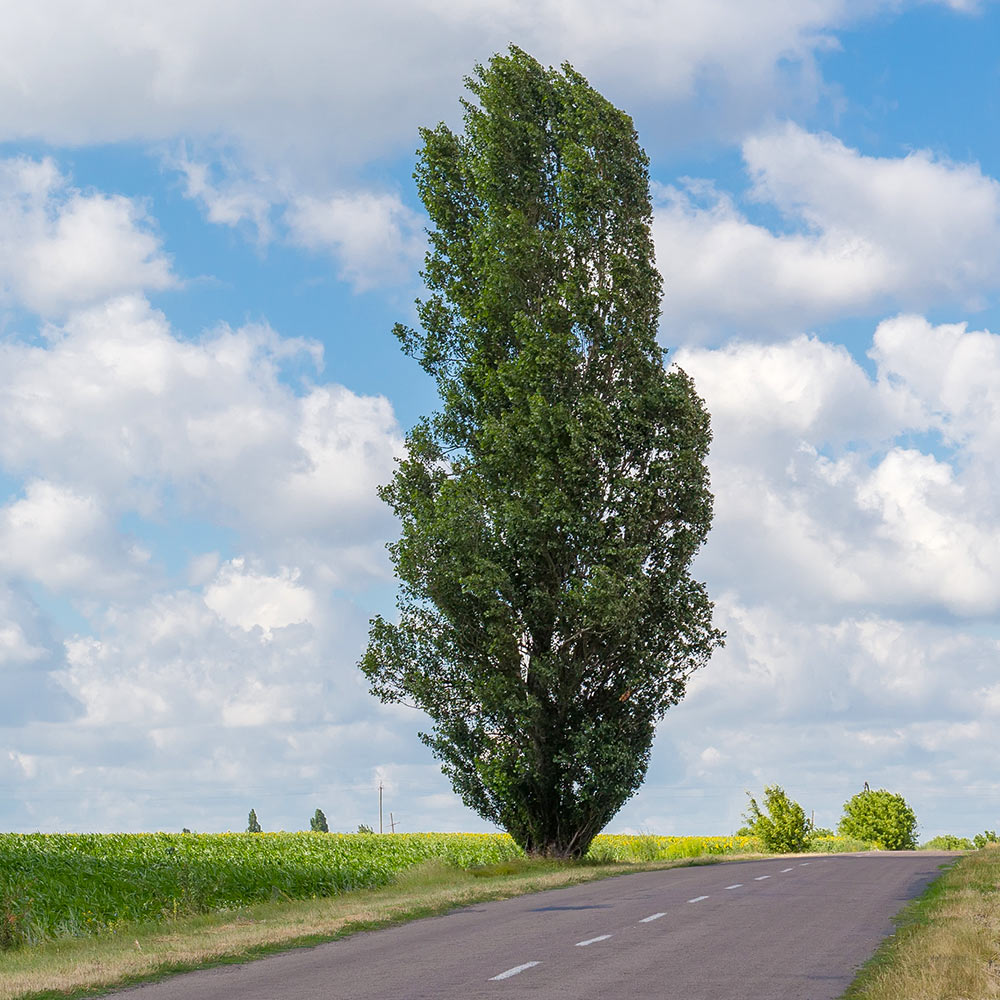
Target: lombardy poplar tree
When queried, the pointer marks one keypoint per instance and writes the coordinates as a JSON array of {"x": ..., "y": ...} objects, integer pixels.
[{"x": 551, "y": 507}]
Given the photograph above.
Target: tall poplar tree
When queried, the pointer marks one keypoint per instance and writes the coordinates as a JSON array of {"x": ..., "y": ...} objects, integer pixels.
[{"x": 551, "y": 507}]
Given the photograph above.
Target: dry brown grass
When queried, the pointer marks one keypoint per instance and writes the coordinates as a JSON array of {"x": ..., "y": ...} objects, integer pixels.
[
  {"x": 75, "y": 966},
  {"x": 947, "y": 946}
]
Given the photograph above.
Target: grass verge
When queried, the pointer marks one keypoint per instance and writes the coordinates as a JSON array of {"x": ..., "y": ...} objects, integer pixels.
[
  {"x": 947, "y": 942},
  {"x": 89, "y": 966}
]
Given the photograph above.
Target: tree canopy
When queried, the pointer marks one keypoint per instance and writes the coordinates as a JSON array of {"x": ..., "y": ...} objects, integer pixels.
[
  {"x": 551, "y": 507},
  {"x": 882, "y": 818}
]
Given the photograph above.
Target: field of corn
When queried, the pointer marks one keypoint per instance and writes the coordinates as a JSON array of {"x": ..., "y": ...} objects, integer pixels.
[{"x": 56, "y": 885}]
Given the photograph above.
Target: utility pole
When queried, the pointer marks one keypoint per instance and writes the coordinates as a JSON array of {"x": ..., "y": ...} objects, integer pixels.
[
  {"x": 380, "y": 807},
  {"x": 392, "y": 824}
]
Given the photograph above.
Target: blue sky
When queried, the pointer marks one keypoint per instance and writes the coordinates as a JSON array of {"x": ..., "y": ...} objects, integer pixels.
[{"x": 208, "y": 228}]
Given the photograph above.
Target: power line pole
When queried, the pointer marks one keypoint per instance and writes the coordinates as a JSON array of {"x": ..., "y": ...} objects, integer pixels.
[
  {"x": 380, "y": 807},
  {"x": 392, "y": 824}
]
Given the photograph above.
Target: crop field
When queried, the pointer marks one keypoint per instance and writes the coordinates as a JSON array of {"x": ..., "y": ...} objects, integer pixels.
[{"x": 57, "y": 885}]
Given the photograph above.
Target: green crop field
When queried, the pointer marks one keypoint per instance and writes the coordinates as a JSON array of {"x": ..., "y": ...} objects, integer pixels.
[{"x": 56, "y": 885}]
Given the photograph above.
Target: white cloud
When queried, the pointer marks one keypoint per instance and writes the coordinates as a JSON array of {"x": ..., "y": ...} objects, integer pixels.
[
  {"x": 822, "y": 499},
  {"x": 124, "y": 414},
  {"x": 251, "y": 600},
  {"x": 301, "y": 82},
  {"x": 867, "y": 232},
  {"x": 374, "y": 238},
  {"x": 66, "y": 542},
  {"x": 61, "y": 248}
]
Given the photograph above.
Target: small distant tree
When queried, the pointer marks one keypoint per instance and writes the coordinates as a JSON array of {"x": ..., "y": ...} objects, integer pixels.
[
  {"x": 984, "y": 838},
  {"x": 882, "y": 818},
  {"x": 252, "y": 825},
  {"x": 783, "y": 828},
  {"x": 364, "y": 828},
  {"x": 318, "y": 823}
]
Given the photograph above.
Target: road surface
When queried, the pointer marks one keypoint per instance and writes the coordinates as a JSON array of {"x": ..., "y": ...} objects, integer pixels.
[{"x": 753, "y": 930}]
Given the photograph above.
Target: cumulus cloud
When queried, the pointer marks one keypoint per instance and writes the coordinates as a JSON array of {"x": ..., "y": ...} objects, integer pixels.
[
  {"x": 821, "y": 498},
  {"x": 374, "y": 238},
  {"x": 252, "y": 600},
  {"x": 127, "y": 416},
  {"x": 301, "y": 81},
  {"x": 864, "y": 233},
  {"x": 61, "y": 248},
  {"x": 227, "y": 197},
  {"x": 67, "y": 542}
]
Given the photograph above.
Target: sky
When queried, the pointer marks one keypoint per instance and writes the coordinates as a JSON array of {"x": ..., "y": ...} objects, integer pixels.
[{"x": 208, "y": 227}]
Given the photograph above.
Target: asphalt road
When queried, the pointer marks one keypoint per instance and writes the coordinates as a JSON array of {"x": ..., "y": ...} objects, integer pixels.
[{"x": 752, "y": 930}]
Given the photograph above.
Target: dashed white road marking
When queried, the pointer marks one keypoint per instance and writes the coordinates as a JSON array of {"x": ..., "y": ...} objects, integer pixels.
[
  {"x": 514, "y": 971},
  {"x": 600, "y": 937},
  {"x": 760, "y": 878},
  {"x": 649, "y": 920},
  {"x": 783, "y": 870},
  {"x": 735, "y": 885},
  {"x": 802, "y": 864},
  {"x": 697, "y": 899}
]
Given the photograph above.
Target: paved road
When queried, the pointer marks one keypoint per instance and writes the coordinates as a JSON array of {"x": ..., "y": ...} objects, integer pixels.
[{"x": 753, "y": 930}]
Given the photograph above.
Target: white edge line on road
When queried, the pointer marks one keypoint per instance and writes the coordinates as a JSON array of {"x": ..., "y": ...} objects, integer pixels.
[
  {"x": 783, "y": 870},
  {"x": 649, "y": 920},
  {"x": 514, "y": 971},
  {"x": 601, "y": 937},
  {"x": 697, "y": 899},
  {"x": 760, "y": 878},
  {"x": 735, "y": 885}
]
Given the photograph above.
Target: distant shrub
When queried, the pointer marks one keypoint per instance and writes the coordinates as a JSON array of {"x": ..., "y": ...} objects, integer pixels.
[
  {"x": 364, "y": 828},
  {"x": 882, "y": 818},
  {"x": 783, "y": 828},
  {"x": 984, "y": 838},
  {"x": 252, "y": 825},
  {"x": 947, "y": 842},
  {"x": 318, "y": 822},
  {"x": 821, "y": 831},
  {"x": 837, "y": 845}
]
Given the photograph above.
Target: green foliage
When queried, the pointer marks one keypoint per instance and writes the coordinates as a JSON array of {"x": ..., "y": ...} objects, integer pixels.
[
  {"x": 984, "y": 838},
  {"x": 252, "y": 825},
  {"x": 881, "y": 817},
  {"x": 364, "y": 828},
  {"x": 783, "y": 827},
  {"x": 947, "y": 842},
  {"x": 820, "y": 831},
  {"x": 551, "y": 508},
  {"x": 318, "y": 822},
  {"x": 54, "y": 885},
  {"x": 648, "y": 847}
]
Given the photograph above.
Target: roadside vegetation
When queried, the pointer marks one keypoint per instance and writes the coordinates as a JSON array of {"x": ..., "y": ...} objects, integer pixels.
[
  {"x": 135, "y": 952},
  {"x": 64, "y": 885},
  {"x": 947, "y": 943}
]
